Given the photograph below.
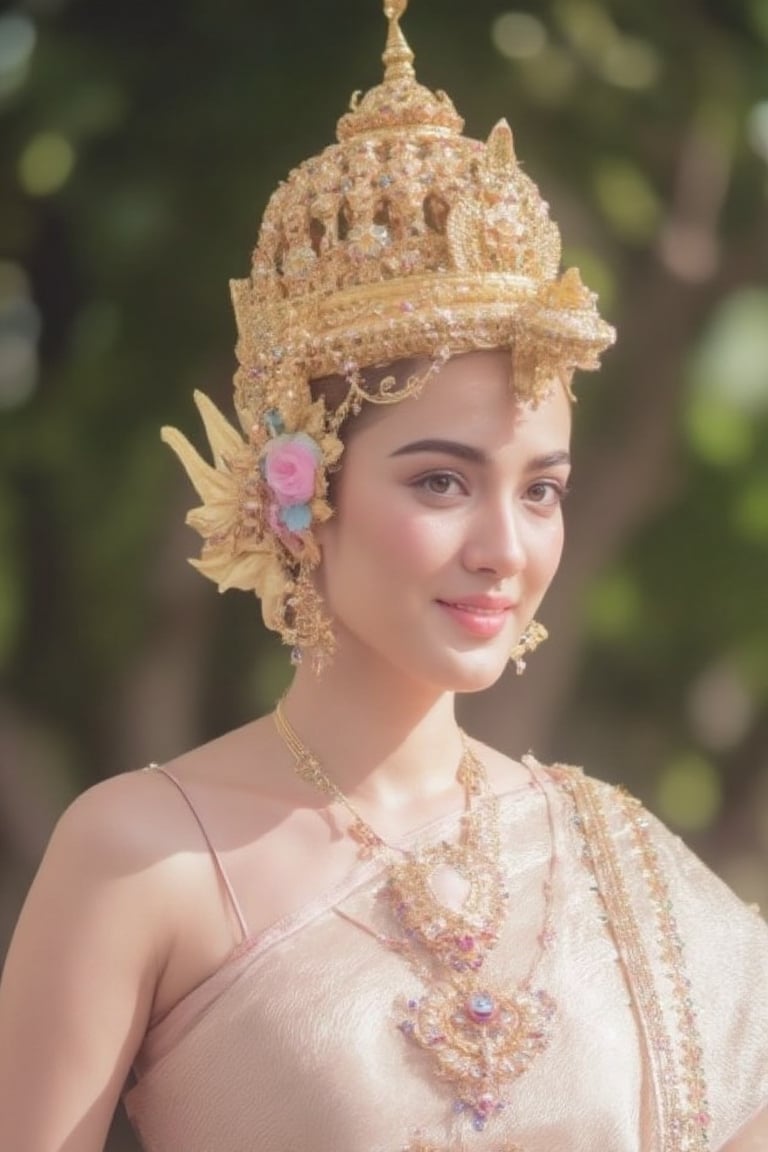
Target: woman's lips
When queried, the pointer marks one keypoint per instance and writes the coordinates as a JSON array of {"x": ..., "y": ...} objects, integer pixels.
[{"x": 481, "y": 616}]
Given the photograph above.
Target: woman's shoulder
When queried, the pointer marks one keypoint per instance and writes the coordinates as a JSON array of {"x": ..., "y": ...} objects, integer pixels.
[
  {"x": 107, "y": 871},
  {"x": 93, "y": 834},
  {"x": 122, "y": 821},
  {"x": 131, "y": 825}
]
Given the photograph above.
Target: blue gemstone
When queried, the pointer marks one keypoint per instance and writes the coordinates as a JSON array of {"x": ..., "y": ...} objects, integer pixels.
[
  {"x": 274, "y": 422},
  {"x": 481, "y": 1005},
  {"x": 296, "y": 517}
]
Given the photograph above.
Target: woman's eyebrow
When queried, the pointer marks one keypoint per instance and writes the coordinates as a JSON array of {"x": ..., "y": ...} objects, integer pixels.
[
  {"x": 477, "y": 456},
  {"x": 445, "y": 447},
  {"x": 550, "y": 460}
]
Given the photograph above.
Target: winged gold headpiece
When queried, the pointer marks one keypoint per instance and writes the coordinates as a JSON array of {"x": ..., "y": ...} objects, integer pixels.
[{"x": 403, "y": 239}]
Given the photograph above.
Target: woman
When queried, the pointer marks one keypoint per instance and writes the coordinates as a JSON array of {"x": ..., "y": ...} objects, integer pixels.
[{"x": 347, "y": 926}]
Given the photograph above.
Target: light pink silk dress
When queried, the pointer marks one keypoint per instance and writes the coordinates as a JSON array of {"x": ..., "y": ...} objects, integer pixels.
[{"x": 659, "y": 1043}]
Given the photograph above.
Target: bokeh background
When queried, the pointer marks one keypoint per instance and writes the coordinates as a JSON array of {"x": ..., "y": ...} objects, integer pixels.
[{"x": 138, "y": 145}]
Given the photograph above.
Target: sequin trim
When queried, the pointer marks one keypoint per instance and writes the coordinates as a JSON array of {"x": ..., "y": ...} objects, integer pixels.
[{"x": 677, "y": 1070}]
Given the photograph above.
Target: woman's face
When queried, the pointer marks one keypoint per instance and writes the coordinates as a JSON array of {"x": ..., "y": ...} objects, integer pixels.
[{"x": 448, "y": 526}]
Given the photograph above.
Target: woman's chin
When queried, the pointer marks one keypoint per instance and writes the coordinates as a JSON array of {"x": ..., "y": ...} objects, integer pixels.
[
  {"x": 440, "y": 666},
  {"x": 474, "y": 671}
]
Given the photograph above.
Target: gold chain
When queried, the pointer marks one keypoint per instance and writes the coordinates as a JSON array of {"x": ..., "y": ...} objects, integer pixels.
[{"x": 308, "y": 768}]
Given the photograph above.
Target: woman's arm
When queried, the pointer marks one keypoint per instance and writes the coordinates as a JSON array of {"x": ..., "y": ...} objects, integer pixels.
[{"x": 79, "y": 979}]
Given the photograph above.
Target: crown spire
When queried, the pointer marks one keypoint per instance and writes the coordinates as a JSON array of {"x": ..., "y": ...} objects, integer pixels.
[{"x": 398, "y": 57}]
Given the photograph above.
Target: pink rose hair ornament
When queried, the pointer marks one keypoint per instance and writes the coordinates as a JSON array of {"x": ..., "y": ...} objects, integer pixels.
[{"x": 260, "y": 500}]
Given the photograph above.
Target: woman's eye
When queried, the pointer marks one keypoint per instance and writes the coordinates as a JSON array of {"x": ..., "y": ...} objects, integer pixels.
[
  {"x": 547, "y": 493},
  {"x": 440, "y": 484}
]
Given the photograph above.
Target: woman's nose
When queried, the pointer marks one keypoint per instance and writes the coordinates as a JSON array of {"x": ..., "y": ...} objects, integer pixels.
[{"x": 495, "y": 543}]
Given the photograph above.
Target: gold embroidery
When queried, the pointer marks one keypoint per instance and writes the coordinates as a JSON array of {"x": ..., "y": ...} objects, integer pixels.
[
  {"x": 677, "y": 1068},
  {"x": 694, "y": 1131}
]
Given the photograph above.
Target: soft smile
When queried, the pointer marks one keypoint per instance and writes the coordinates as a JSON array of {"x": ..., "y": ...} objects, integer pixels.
[{"x": 483, "y": 616}]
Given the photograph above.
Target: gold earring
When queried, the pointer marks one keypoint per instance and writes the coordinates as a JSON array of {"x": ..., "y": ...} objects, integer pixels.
[
  {"x": 533, "y": 635},
  {"x": 305, "y": 624}
]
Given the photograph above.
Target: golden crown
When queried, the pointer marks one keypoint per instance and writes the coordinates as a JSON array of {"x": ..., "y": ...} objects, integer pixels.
[
  {"x": 404, "y": 239},
  {"x": 407, "y": 238}
]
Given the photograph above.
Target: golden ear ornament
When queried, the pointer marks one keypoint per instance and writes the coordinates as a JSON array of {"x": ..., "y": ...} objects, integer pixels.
[
  {"x": 534, "y": 635},
  {"x": 403, "y": 239}
]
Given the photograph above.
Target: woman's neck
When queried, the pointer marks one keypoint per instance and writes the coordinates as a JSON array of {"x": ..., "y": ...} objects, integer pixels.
[{"x": 380, "y": 736}]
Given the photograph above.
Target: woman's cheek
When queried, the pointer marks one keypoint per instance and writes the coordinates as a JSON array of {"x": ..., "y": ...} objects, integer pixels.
[
  {"x": 426, "y": 540},
  {"x": 552, "y": 549}
]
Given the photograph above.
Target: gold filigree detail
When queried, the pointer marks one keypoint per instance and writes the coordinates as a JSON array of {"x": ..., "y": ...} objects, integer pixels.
[
  {"x": 449, "y": 902},
  {"x": 480, "y": 1040}
]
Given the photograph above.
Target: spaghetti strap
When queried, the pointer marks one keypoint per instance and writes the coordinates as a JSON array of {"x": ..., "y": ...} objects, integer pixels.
[{"x": 220, "y": 869}]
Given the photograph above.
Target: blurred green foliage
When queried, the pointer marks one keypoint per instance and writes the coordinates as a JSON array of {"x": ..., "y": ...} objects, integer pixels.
[{"x": 139, "y": 144}]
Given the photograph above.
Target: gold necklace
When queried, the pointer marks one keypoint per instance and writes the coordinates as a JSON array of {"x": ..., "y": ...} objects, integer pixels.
[{"x": 480, "y": 1039}]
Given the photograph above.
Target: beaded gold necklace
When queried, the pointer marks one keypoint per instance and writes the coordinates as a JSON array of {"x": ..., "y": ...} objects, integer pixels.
[{"x": 480, "y": 1039}]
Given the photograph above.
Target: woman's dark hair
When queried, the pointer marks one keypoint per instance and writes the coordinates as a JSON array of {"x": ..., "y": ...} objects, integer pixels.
[{"x": 334, "y": 389}]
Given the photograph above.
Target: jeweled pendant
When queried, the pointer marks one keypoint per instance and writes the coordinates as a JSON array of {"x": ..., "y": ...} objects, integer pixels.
[
  {"x": 481, "y": 1041},
  {"x": 448, "y": 899}
]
